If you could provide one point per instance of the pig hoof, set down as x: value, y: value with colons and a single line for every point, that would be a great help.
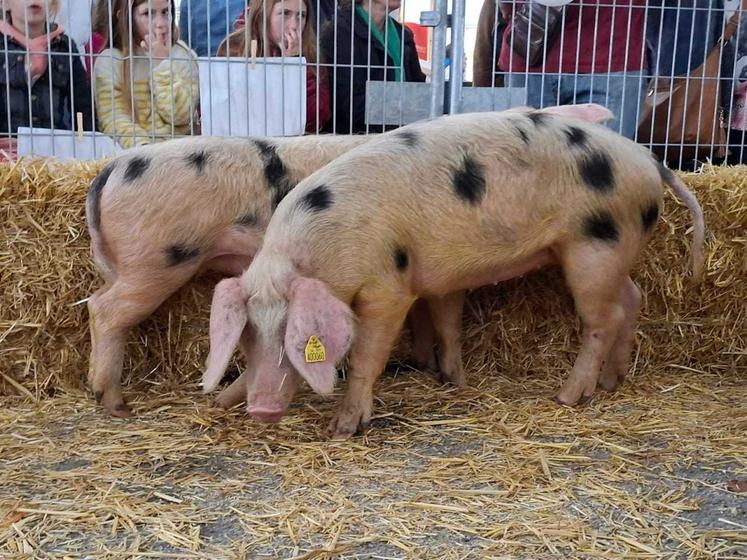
x: 121, y: 410
x: 424, y: 360
x: 345, y: 426
x: 228, y: 401
x: 611, y: 383
x: 457, y: 380
x: 580, y: 401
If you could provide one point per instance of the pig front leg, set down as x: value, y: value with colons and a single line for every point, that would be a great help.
x: 446, y: 312
x: 379, y: 325
x: 235, y: 393
x: 423, y: 337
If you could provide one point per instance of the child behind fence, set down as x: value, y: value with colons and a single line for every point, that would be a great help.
x: 146, y: 85
x: 280, y: 29
x: 43, y: 81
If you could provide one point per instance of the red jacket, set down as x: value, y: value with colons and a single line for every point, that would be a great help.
x: 605, y: 39
x: 322, y: 95
x: 94, y: 46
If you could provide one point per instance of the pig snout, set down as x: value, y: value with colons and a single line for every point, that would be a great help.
x: 266, y: 415
x: 270, y: 395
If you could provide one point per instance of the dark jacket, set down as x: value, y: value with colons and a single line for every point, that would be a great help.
x: 340, y: 75
x: 490, y: 27
x: 680, y: 34
x: 70, y: 92
x: 325, y: 9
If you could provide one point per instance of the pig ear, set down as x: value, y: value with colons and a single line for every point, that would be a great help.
x: 228, y: 316
x: 318, y: 333
x: 590, y: 112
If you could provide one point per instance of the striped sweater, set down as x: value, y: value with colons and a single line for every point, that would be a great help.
x: 166, y: 93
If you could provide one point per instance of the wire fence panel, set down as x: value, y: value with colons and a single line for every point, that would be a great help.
x: 90, y: 78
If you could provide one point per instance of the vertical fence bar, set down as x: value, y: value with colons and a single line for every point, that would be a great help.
x: 457, y: 57
x: 438, y: 50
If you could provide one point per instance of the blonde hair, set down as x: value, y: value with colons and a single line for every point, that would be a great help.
x: 121, y: 32
x: 237, y: 43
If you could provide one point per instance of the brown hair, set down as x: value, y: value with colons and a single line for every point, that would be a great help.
x: 237, y: 43
x: 100, y: 17
x: 121, y: 32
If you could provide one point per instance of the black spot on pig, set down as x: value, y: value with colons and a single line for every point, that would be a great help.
x: 198, y: 160
x: 248, y: 220
x: 596, y: 171
x: 276, y: 174
x: 178, y: 254
x: 98, y: 395
x: 401, y: 260
x: 601, y: 226
x: 317, y: 199
x: 135, y: 168
x: 409, y: 138
x: 649, y: 216
x: 469, y: 181
x: 576, y: 136
x: 522, y: 134
x: 279, y: 194
x: 538, y: 118
x: 94, y: 195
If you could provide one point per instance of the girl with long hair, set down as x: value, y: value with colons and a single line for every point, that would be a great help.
x: 281, y: 28
x: 146, y: 84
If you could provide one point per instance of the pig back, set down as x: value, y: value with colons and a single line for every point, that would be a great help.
x: 460, y: 192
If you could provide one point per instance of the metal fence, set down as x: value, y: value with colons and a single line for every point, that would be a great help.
x: 87, y: 79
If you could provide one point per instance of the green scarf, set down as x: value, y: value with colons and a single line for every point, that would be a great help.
x: 391, y: 46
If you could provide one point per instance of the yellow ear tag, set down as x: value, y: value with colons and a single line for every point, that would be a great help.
x: 315, y: 351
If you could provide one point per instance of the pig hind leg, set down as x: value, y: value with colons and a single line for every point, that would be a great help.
x: 595, y: 276
x: 618, y: 362
x: 379, y: 325
x: 113, y: 310
x: 446, y: 312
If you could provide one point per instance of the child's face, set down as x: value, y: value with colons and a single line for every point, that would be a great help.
x: 152, y: 17
x: 30, y: 12
x: 287, y: 20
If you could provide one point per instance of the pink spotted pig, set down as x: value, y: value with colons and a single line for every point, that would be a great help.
x: 429, y: 211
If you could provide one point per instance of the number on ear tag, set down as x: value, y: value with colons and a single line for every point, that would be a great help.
x: 315, y: 351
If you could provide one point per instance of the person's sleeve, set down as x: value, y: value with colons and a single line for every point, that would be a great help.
x: 317, y: 95
x: 483, y: 63
x: 339, y: 77
x: 113, y: 111
x: 81, y: 99
x: 176, y: 91
x: 414, y: 71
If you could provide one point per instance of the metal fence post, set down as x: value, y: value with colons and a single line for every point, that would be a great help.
x: 457, y: 57
x: 437, y: 19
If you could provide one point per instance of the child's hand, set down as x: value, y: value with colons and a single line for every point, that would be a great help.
x: 156, y: 46
x: 292, y: 44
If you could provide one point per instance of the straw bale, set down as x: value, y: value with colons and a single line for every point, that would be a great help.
x: 519, y: 328
x: 495, y: 470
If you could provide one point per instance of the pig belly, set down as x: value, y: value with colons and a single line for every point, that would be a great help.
x: 231, y: 253
x: 492, y: 275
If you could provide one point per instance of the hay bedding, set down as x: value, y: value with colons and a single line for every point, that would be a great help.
x: 495, y: 470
